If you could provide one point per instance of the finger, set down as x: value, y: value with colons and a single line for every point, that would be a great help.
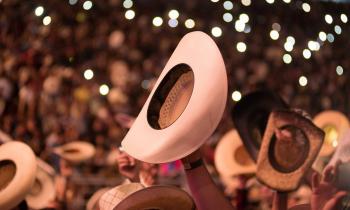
x: 315, y: 182
x: 335, y: 201
x: 327, y: 174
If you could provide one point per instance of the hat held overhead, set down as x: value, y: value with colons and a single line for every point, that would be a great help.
x: 184, y: 107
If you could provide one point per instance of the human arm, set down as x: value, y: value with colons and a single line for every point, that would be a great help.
x: 204, y: 191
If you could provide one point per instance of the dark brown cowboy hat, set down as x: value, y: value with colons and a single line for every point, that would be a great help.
x: 250, y: 117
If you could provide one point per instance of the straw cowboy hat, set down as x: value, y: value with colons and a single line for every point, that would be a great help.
x: 290, y: 145
x: 76, y: 151
x: 231, y: 157
x: 334, y: 124
x: 134, y: 196
x: 250, y: 117
x: 185, y: 105
x: 43, y: 190
x: 17, y: 173
x: 92, y: 203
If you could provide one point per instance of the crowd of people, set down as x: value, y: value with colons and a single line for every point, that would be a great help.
x: 45, y: 101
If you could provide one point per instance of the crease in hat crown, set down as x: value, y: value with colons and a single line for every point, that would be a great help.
x: 200, y: 116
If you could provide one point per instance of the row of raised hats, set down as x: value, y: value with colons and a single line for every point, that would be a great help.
x: 23, y: 176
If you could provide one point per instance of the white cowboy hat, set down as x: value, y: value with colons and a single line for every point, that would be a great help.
x: 92, y: 203
x: 334, y: 124
x: 43, y: 190
x: 76, y: 151
x: 134, y: 196
x: 17, y: 173
x: 283, y: 161
x: 231, y: 157
x: 185, y: 105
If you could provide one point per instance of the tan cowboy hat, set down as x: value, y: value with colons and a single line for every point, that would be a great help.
x: 43, y: 190
x: 290, y: 145
x: 134, y: 196
x: 231, y: 157
x: 185, y: 105
x: 76, y: 151
x: 17, y: 173
x: 334, y: 124
x: 92, y: 203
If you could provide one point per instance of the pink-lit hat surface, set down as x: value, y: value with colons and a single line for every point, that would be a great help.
x: 185, y: 105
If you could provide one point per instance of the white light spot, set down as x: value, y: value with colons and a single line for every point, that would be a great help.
x: 344, y: 18
x: 313, y: 45
x: 87, y: 5
x: 270, y: 1
x: 339, y: 70
x: 39, y: 11
x: 246, y: 2
x: 216, y: 31
x: 228, y: 5
x: 130, y: 14
x: 247, y: 28
x: 306, y: 7
x: 287, y: 58
x: 291, y: 40
x: 47, y: 20
x: 227, y: 17
x: 127, y: 4
x: 236, y: 96
x: 104, y: 89
x: 276, y: 26
x: 239, y: 25
x: 173, y: 23
x: 88, y: 74
x: 157, y: 21
x: 288, y: 46
x: 307, y: 53
x: 337, y: 29
x: 241, y: 47
x: 214, y: 1
x: 302, y: 81
x: 173, y: 14
x: 328, y: 18
x: 72, y: 2
x: 189, y: 23
x: 330, y: 38
x: 244, y: 18
x: 287, y: 1
x: 322, y: 35
x: 274, y: 34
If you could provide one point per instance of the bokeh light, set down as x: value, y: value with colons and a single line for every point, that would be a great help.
x: 328, y: 18
x: 189, y: 23
x: 227, y: 17
x: 173, y: 23
x: 216, y: 31
x: 302, y: 81
x: 228, y: 5
x: 339, y: 70
x: 88, y: 74
x: 344, y: 18
x: 241, y: 47
x: 130, y: 14
x: 39, y: 11
x: 244, y: 18
x: 246, y: 2
x: 127, y: 4
x: 47, y: 20
x: 306, y: 7
x: 157, y: 21
x: 87, y: 5
x: 239, y: 25
x: 274, y: 34
x: 173, y: 14
x: 104, y: 89
x: 337, y: 29
x: 287, y: 58
x: 322, y: 35
x: 307, y: 53
x: 330, y: 37
x: 236, y: 95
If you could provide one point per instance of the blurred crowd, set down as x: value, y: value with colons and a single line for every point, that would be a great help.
x: 45, y: 100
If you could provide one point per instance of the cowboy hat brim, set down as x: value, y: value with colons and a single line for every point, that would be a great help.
x: 199, y: 118
x: 23, y: 160
x: 231, y: 157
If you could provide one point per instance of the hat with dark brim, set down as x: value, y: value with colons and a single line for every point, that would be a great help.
x: 134, y: 196
x: 250, y: 117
